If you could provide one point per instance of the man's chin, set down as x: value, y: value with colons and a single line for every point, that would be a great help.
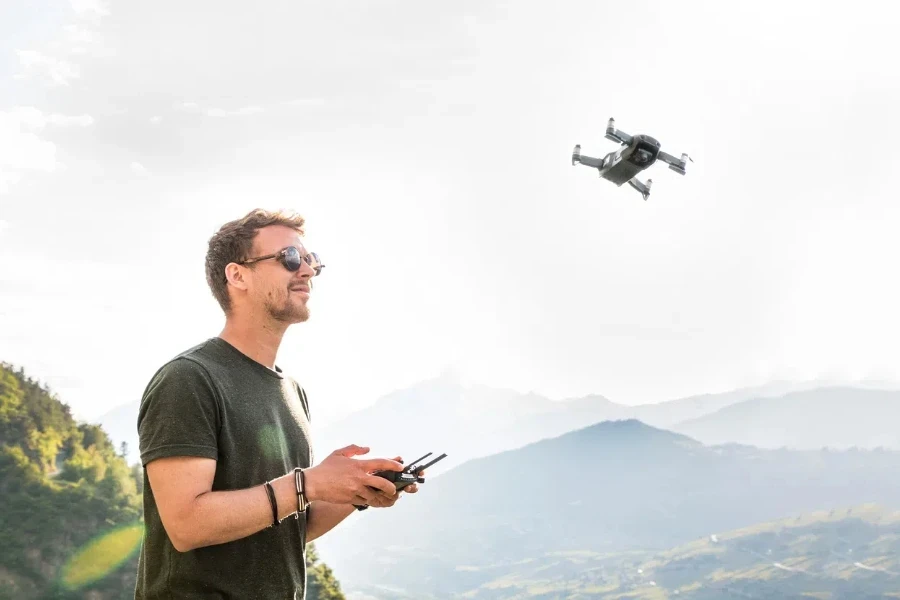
x: 293, y: 316
x: 298, y: 317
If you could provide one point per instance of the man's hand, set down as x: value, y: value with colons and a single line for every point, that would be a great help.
x: 387, y: 502
x: 342, y: 479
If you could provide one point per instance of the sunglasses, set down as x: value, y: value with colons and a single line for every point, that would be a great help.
x: 291, y: 259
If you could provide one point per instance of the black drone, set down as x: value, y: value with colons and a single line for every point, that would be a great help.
x: 638, y: 152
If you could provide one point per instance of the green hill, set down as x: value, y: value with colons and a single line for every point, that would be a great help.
x: 70, y: 505
x: 850, y: 554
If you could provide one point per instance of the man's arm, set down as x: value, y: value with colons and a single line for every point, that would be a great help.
x: 195, y: 516
x: 324, y: 516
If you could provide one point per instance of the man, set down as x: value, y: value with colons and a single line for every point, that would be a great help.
x: 222, y: 430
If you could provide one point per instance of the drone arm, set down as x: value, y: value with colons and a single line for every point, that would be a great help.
x: 643, y: 188
x: 616, y: 135
x: 676, y: 164
x: 668, y: 158
x: 589, y: 161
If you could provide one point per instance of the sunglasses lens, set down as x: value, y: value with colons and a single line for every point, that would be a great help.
x: 291, y: 259
x: 313, y: 259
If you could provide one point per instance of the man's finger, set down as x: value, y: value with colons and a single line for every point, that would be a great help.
x: 382, y: 501
x: 372, y: 497
x: 411, y: 488
x: 382, y: 485
x: 380, y: 464
x: 351, y: 450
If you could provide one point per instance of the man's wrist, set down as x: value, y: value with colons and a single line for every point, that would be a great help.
x: 311, y: 484
x: 285, y: 496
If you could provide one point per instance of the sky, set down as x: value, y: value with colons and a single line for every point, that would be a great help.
x: 429, y: 146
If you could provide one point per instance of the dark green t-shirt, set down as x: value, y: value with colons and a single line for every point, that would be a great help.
x: 214, y: 401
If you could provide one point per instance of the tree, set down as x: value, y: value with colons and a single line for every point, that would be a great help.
x: 321, y: 583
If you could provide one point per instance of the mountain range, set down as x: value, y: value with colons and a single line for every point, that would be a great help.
x: 836, y: 417
x: 839, y: 555
x: 474, y: 421
x: 442, y: 415
x: 614, y: 487
x: 528, y: 480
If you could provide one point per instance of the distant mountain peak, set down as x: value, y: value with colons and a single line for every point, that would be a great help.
x: 621, y: 433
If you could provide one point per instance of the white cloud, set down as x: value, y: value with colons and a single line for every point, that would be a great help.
x: 87, y: 7
x: 34, y: 118
x: 56, y: 70
x: 23, y: 150
x: 78, y: 40
x: 220, y: 112
x: 7, y: 180
x: 53, y: 62
x: 139, y: 169
x: 313, y: 101
x: 77, y: 34
x: 246, y: 110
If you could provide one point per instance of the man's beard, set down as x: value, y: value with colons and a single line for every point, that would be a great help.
x: 287, y: 311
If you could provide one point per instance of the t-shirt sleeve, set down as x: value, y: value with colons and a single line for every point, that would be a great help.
x: 305, y: 404
x: 179, y: 414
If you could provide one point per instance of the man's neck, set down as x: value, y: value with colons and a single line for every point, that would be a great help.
x: 258, y: 341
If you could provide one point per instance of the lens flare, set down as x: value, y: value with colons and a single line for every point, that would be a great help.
x: 101, y: 556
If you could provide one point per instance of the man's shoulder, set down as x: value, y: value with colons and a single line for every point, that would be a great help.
x: 192, y: 362
x: 205, y: 351
x: 301, y: 393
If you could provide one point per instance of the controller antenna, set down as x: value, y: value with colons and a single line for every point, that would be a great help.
x: 409, y: 468
x: 423, y: 467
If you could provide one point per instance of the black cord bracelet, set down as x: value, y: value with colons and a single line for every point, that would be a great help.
x: 271, y: 493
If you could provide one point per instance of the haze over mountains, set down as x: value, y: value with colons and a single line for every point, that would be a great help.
x: 528, y: 480
x: 613, y: 487
x: 470, y: 421
x: 834, y: 555
x: 443, y: 415
x: 838, y: 417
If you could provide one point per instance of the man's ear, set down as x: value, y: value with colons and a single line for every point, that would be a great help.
x: 234, y: 274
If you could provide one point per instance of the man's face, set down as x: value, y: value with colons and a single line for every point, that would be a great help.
x: 282, y: 294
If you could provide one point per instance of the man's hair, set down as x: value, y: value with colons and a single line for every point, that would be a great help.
x: 233, y: 243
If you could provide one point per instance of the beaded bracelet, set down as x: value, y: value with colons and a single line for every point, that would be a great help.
x: 300, y: 487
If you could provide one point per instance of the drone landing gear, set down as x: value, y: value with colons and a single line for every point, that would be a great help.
x: 643, y: 188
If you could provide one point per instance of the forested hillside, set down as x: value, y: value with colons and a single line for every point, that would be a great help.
x: 850, y: 554
x: 71, y: 509
x: 70, y: 505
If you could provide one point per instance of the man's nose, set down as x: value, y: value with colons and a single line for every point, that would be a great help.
x: 306, y: 269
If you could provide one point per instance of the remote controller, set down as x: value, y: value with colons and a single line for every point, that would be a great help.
x: 403, y: 478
